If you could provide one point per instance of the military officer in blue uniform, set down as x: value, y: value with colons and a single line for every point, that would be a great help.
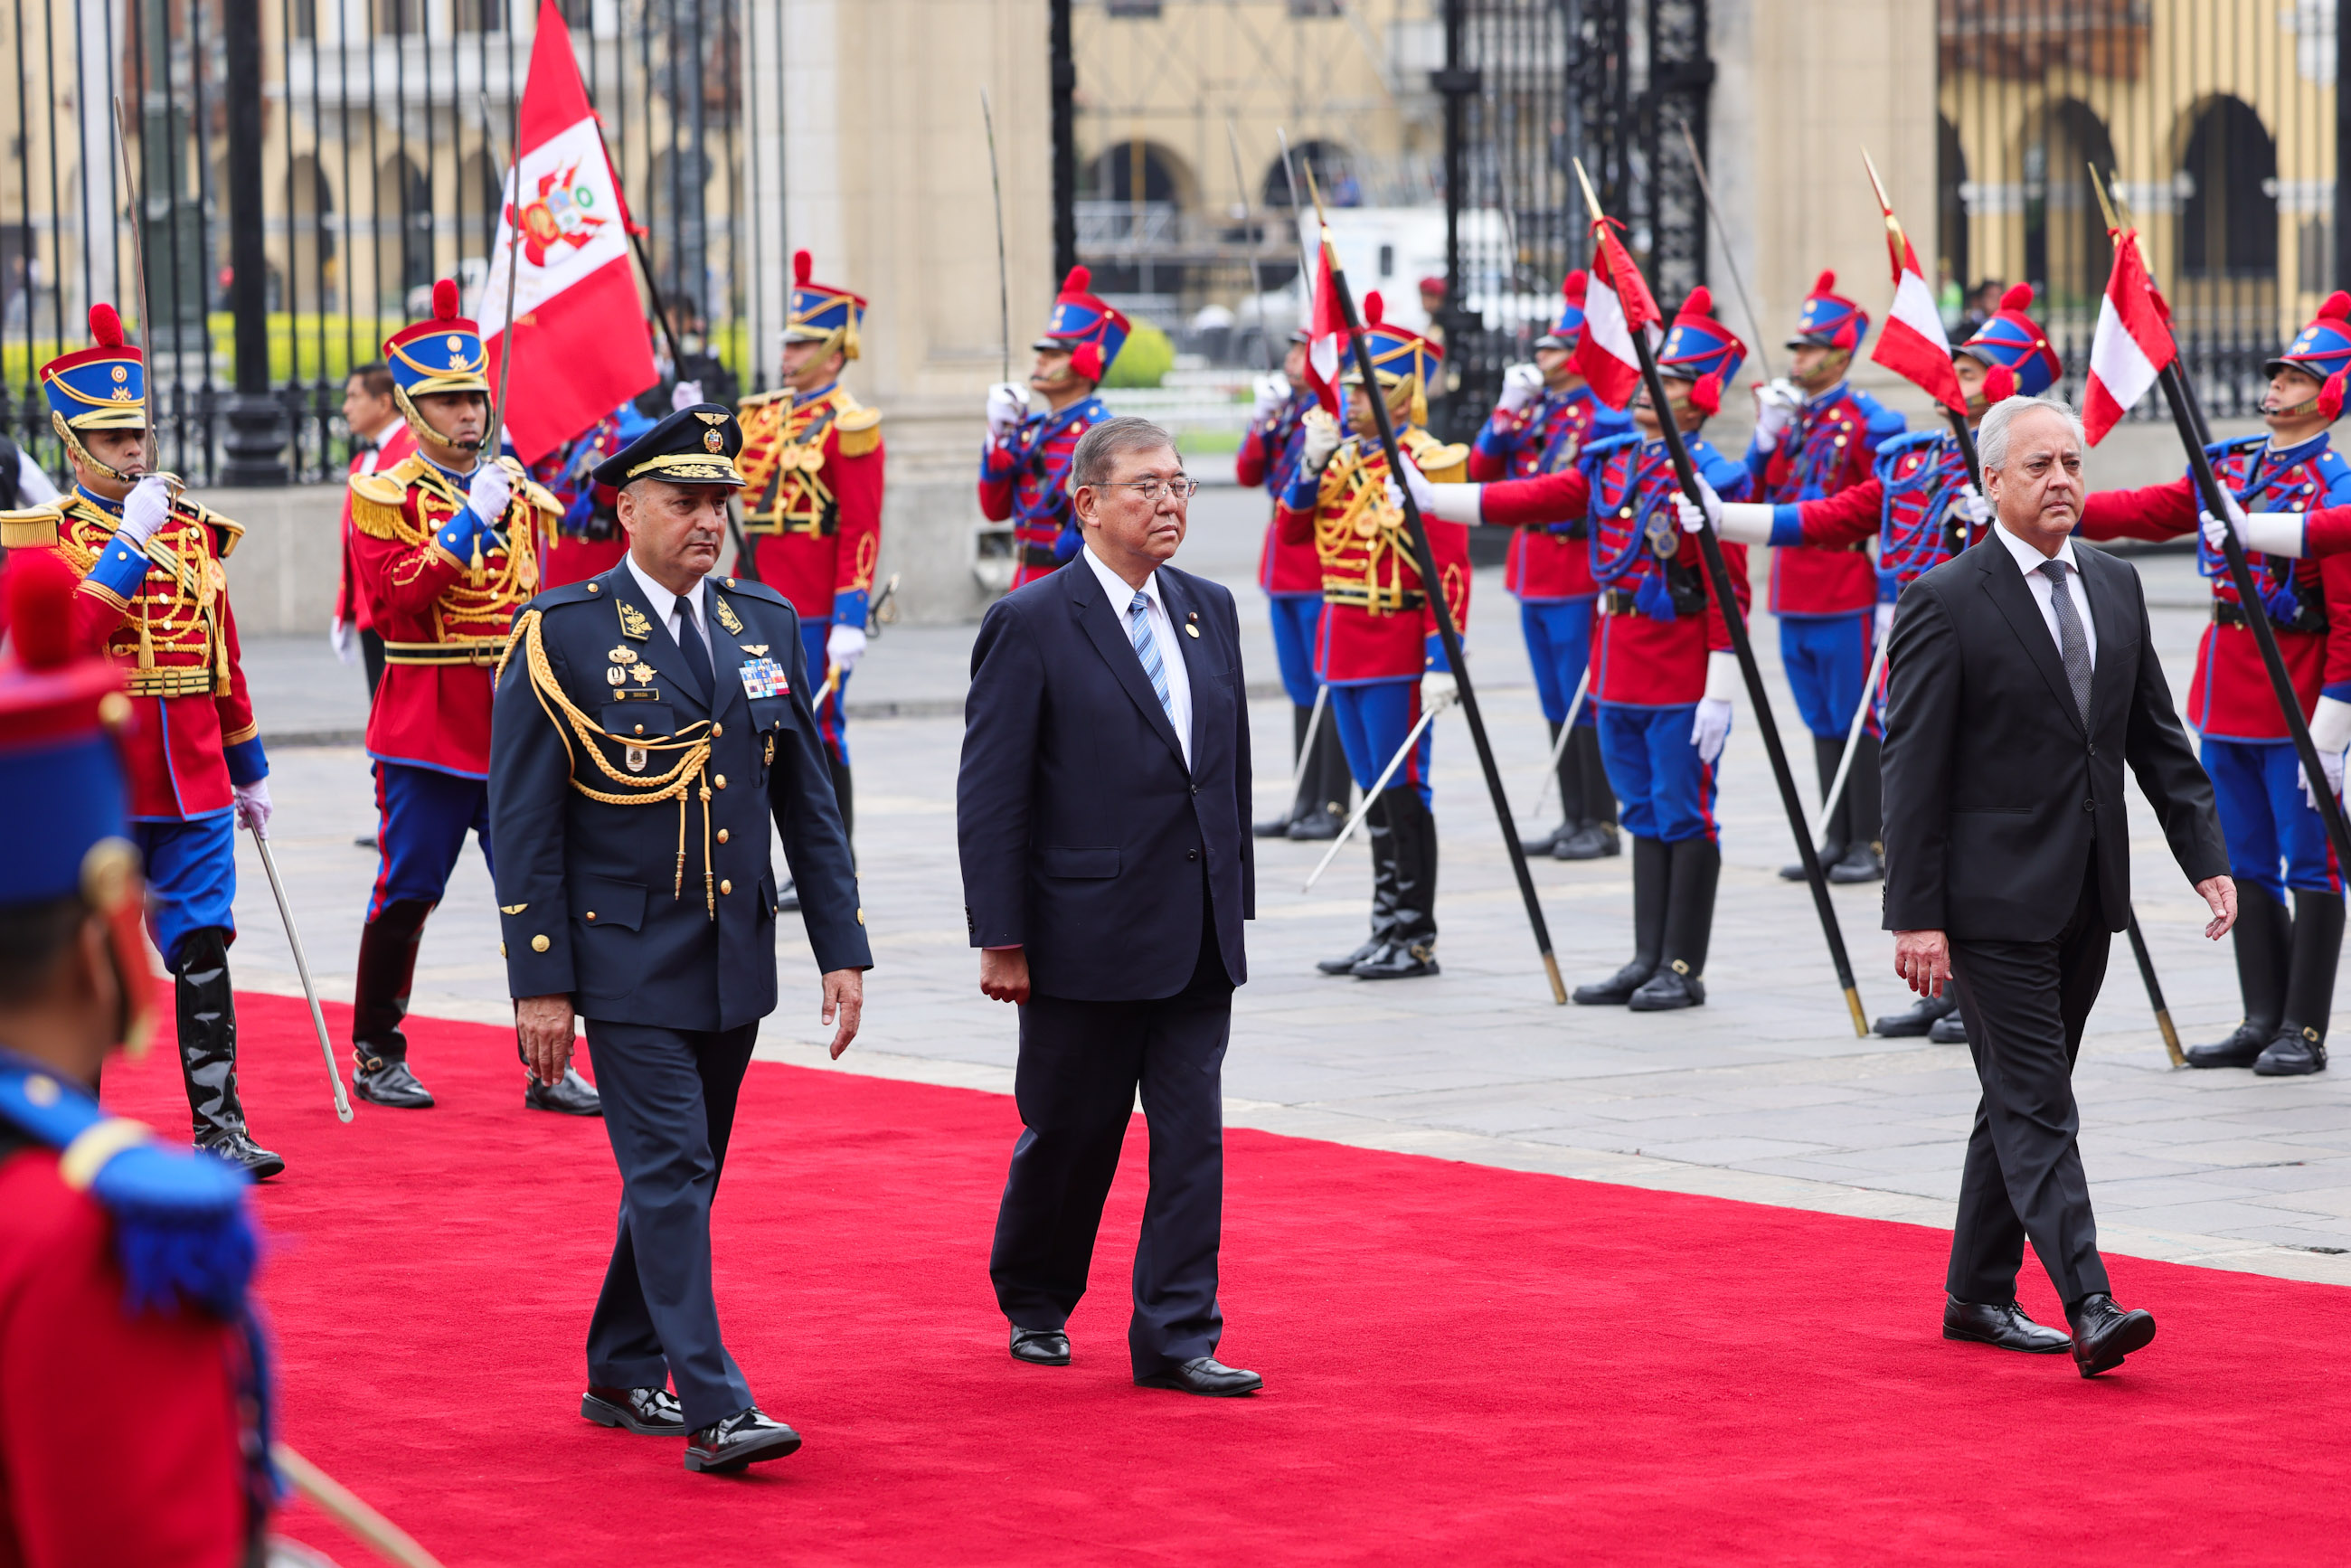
x: 648, y: 722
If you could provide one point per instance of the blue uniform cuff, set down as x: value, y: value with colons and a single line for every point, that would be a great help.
x: 2340, y: 691
x: 248, y: 763
x: 1493, y: 441
x: 1432, y: 661
x: 120, y: 570
x: 458, y: 534
x: 850, y: 609
x: 1787, y: 525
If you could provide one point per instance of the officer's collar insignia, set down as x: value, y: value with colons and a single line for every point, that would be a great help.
x: 622, y: 653
x: 756, y: 650
x: 726, y: 618
x: 634, y: 624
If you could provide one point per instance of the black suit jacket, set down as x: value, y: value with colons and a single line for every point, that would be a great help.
x: 592, y: 898
x: 1996, y: 796
x: 1084, y: 838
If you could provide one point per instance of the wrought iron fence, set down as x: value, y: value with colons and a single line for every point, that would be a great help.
x: 378, y: 175
x: 2216, y: 122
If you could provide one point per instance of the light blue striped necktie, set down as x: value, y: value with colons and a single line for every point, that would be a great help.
x: 1146, y: 648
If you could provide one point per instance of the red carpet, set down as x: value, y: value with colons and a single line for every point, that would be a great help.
x: 1460, y: 1362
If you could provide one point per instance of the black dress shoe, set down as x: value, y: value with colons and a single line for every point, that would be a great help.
x: 2104, y: 1333
x: 2242, y: 1048
x: 1399, y: 961
x: 236, y: 1146
x: 1346, y: 966
x: 746, y: 1438
x: 1830, y: 854
x: 1859, y: 864
x: 1205, y: 1374
x: 1617, y: 990
x: 570, y: 1095
x: 648, y: 1412
x: 1592, y: 841
x: 1272, y: 828
x: 2005, y: 1326
x: 368, y: 841
x: 1924, y: 1015
x: 1948, y: 1030
x: 1673, y: 986
x: 1316, y: 827
x: 2292, y: 1055
x: 386, y: 1082
x: 1040, y: 1347
x: 1548, y: 844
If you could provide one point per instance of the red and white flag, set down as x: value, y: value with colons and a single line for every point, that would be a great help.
x: 2133, y: 343
x: 1326, y: 332
x: 1616, y: 304
x: 1913, y: 344
x: 573, y: 278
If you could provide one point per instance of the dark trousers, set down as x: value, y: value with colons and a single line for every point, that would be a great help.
x: 669, y: 1104
x: 2025, y: 1004
x: 1080, y: 1065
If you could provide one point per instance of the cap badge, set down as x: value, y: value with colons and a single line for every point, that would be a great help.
x: 456, y: 344
x: 712, y: 442
x: 120, y: 375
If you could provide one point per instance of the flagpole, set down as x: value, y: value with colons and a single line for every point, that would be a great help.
x: 1433, y: 586
x: 1726, y: 599
x: 1899, y: 242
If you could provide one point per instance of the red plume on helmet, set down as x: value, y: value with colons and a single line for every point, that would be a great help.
x: 444, y: 300
x: 803, y: 267
x: 1375, y: 308
x: 1080, y: 280
x: 1999, y: 385
x: 105, y: 327
x: 2019, y: 297
x: 1575, y: 285
x: 1826, y: 282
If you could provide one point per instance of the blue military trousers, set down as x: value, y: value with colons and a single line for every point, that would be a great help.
x: 1666, y: 791
x: 2270, y: 825
x: 190, y: 869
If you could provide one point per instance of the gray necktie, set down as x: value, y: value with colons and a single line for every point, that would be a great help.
x: 2072, y: 647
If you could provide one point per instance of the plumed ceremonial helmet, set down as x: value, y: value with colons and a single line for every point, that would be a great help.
x: 1702, y: 350
x: 1828, y: 319
x: 1092, y: 331
x: 2014, y: 348
x: 821, y: 313
x: 1568, y: 330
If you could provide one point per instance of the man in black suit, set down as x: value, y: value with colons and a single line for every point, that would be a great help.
x: 1103, y: 812
x: 636, y: 893
x: 2023, y: 678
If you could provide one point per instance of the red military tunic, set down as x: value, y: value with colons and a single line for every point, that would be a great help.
x: 1830, y: 447
x: 351, y: 607
x: 1268, y: 456
x: 1377, y: 622
x: 1544, y: 567
x: 814, y: 465
x: 2230, y: 696
x: 169, y: 627
x: 1025, y: 478
x: 443, y: 621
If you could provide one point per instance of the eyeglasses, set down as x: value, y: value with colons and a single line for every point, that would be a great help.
x: 1151, y: 489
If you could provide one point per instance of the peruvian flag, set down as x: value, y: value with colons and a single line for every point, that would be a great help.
x: 2133, y: 343
x: 568, y: 228
x: 1326, y: 346
x: 1616, y: 304
x: 1913, y: 344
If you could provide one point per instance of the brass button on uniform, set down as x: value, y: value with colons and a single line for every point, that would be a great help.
x: 724, y: 885
x: 540, y: 943
x: 592, y: 915
x: 720, y: 781
x: 718, y: 730
x: 591, y: 588
x: 860, y: 917
x: 641, y: 729
x: 502, y: 949
x: 722, y: 835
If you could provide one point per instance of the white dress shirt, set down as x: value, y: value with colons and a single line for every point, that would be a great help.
x: 665, y: 611
x: 1163, y: 632
x: 2029, y: 560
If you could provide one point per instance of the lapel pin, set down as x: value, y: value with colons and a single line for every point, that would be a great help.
x: 1190, y: 630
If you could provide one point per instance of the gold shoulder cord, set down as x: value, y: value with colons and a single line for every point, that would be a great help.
x: 1367, y: 520
x: 690, y: 773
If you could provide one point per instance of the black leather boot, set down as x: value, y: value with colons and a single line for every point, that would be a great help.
x: 2264, y: 939
x: 1410, y: 951
x: 1379, y: 832
x: 206, y: 1011
x: 1278, y: 827
x: 379, y: 1004
x: 1570, y: 788
x: 1865, y: 854
x: 1836, y: 834
x: 2300, y: 1048
x: 1924, y: 1014
x: 1596, y: 836
x: 1651, y: 865
x: 1328, y: 788
x: 1679, y: 982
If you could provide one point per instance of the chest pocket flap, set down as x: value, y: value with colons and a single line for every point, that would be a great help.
x: 602, y: 900
x: 652, y: 719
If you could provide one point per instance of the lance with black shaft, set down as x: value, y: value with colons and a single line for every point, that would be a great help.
x: 1433, y: 587
x: 1726, y: 599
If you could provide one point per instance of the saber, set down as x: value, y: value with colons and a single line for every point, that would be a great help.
x: 1305, y: 253
x: 881, y: 612
x: 1306, y: 747
x: 1730, y: 256
x: 1449, y: 635
x: 496, y: 431
x: 302, y: 968
x: 383, y: 1536
x: 1377, y: 785
x: 1718, y: 573
x: 1559, y: 748
x: 1853, y: 734
x: 138, y: 190
x: 1256, y: 280
x: 1003, y: 275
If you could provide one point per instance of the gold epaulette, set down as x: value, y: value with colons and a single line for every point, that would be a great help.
x: 376, y: 500
x: 1442, y: 464
x: 225, y: 534
x: 36, y: 528
x: 760, y: 399
x: 860, y: 427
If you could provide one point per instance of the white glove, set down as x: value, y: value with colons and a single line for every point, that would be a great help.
x: 1970, y: 503
x: 341, y: 638
x: 1437, y: 686
x: 1007, y: 405
x: 1776, y: 403
x: 253, y: 805
x: 685, y: 394
x: 1712, y: 727
x: 1272, y: 391
x: 2330, y: 732
x: 487, y: 496
x: 843, y: 646
x: 1424, y: 494
x: 146, y: 509
x: 2236, y: 521
x: 1521, y: 385
x: 1321, y: 440
x: 1884, y: 618
x: 1706, y: 509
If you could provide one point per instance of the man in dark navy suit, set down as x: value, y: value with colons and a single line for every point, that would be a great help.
x: 648, y: 722
x: 1102, y: 815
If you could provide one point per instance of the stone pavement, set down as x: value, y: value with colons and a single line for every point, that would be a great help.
x: 1763, y: 1094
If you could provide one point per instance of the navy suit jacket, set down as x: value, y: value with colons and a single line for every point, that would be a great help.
x: 592, y: 897
x: 1084, y: 838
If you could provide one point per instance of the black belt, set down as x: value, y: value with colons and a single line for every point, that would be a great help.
x: 478, y: 650
x: 2308, y: 619
x: 1615, y: 601
x: 1039, y: 554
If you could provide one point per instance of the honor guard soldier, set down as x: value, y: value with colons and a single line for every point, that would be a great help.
x: 1815, y: 436
x: 1024, y: 469
x: 448, y: 546
x: 1291, y: 576
x: 123, y: 1261
x: 588, y: 539
x: 650, y: 722
x: 1546, y: 417
x: 2286, y: 967
x: 1663, y: 672
x: 813, y: 458
x: 1377, y: 648
x: 1921, y: 509
x: 153, y: 595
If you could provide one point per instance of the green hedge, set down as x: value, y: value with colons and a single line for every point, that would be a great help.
x: 1146, y: 360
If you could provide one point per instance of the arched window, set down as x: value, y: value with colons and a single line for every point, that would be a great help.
x: 1334, y: 171
x: 2229, y: 220
x: 313, y: 268
x: 2066, y: 254
x: 403, y: 204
